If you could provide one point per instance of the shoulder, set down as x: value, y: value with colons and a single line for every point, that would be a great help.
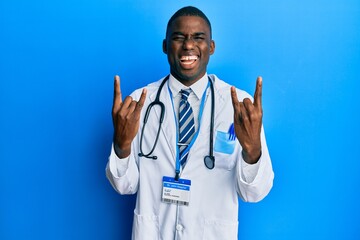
x: 222, y: 89
x: 151, y: 88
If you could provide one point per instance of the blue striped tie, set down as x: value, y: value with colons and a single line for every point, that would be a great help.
x: 186, y: 125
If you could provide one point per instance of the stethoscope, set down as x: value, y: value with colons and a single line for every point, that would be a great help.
x: 209, y: 160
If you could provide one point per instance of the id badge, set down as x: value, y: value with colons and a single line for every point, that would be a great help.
x: 176, y: 191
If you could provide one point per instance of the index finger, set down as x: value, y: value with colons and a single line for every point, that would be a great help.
x: 117, y: 91
x: 258, y: 93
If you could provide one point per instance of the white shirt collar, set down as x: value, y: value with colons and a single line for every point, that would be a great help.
x: 198, y: 87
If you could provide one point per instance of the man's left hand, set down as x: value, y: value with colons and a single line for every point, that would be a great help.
x: 248, y: 122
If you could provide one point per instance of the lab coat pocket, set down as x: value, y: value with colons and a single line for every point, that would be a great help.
x: 223, y: 143
x: 224, y: 147
x: 145, y: 227
x: 216, y: 229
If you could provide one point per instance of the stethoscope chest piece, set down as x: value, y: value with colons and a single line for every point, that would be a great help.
x: 209, y: 162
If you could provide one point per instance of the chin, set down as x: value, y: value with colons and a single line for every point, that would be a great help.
x: 187, y: 76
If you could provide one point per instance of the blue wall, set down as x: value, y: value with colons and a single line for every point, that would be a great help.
x: 57, y: 61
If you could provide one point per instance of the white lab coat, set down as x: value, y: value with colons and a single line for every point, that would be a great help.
x: 213, y: 210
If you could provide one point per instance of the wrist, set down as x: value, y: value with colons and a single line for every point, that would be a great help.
x: 251, y: 157
x: 122, y: 149
x: 121, y: 152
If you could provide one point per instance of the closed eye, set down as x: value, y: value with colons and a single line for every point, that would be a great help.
x: 178, y: 36
x: 199, y: 36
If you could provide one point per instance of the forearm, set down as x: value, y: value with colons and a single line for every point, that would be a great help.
x: 255, y: 181
x: 122, y: 173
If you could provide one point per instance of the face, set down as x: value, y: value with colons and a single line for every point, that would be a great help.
x: 188, y: 46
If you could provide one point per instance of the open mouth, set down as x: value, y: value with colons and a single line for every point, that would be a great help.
x: 188, y: 60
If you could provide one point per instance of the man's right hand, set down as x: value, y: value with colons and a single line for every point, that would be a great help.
x: 126, y: 119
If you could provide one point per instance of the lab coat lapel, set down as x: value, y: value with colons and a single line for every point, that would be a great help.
x: 219, y: 101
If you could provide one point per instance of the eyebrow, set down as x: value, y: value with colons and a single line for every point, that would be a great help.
x: 199, y: 33
x: 195, y: 34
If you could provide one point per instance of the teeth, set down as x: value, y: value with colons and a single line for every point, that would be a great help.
x: 187, y: 58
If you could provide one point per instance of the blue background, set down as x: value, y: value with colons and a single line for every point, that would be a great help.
x: 57, y: 62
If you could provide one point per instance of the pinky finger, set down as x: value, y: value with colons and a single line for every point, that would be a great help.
x: 141, y: 102
x: 235, y: 101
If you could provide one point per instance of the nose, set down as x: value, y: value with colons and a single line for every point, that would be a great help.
x: 188, y: 43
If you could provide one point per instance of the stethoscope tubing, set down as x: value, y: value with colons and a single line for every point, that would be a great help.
x: 162, y: 113
x: 209, y: 160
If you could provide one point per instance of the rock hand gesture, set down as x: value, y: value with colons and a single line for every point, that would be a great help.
x: 248, y: 122
x: 126, y: 119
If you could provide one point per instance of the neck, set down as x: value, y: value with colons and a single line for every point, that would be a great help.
x: 187, y: 81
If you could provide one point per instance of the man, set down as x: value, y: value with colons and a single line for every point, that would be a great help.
x: 187, y: 186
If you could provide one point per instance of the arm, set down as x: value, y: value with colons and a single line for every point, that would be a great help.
x: 122, y: 173
x: 254, y: 181
x: 255, y: 174
x: 121, y: 169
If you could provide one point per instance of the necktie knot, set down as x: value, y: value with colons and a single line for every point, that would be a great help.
x: 185, y: 94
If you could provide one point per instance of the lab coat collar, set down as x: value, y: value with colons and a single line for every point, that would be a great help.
x: 198, y: 87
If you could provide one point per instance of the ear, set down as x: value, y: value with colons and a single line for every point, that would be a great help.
x: 164, y: 46
x: 212, y: 47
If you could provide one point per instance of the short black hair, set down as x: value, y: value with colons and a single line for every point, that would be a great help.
x: 188, y: 11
